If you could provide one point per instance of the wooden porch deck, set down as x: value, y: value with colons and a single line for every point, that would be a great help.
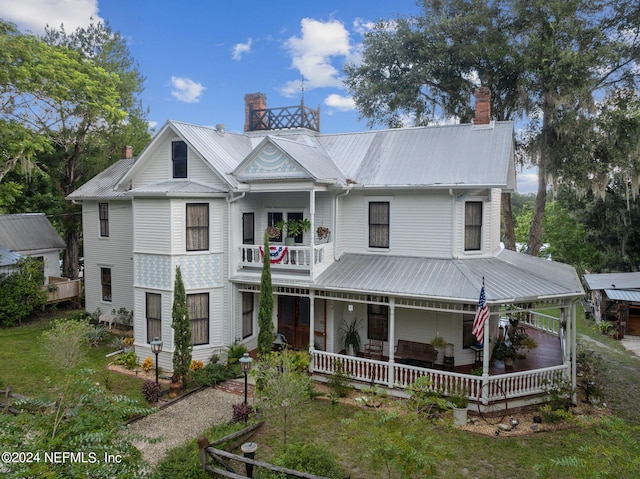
x: 547, y: 354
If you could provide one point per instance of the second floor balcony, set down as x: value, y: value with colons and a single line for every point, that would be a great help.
x: 288, y: 258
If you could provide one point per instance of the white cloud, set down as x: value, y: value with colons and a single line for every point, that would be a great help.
x: 34, y: 15
x: 186, y: 90
x: 527, y: 183
x: 362, y: 26
x: 313, y: 51
x: 240, y: 49
x: 340, y: 102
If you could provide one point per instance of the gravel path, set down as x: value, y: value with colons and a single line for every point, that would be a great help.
x: 184, y: 421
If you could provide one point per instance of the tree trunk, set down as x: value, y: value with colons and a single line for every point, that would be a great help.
x: 535, y: 232
x: 509, y: 237
x: 72, y: 252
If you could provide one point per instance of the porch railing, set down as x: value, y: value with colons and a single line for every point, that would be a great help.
x: 293, y: 257
x: 544, y: 322
x: 512, y: 385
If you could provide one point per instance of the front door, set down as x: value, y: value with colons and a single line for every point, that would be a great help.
x: 293, y: 320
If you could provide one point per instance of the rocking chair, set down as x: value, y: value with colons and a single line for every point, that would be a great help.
x: 373, y: 349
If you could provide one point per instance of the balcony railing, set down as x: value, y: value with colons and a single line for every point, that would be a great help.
x: 287, y: 257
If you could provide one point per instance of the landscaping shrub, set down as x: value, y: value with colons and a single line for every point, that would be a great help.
x: 339, y: 381
x: 21, y: 292
x: 308, y: 458
x: 151, y: 391
x: 424, y: 399
x: 97, y: 335
x: 196, y: 364
x: 128, y: 360
x: 65, y: 343
x: 147, y: 364
x: 211, y: 375
x: 241, y: 412
x: 235, y: 351
x: 554, y: 416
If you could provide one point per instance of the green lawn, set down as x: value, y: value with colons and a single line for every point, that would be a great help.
x: 27, y: 370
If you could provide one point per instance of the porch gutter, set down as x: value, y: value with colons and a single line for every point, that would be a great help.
x: 230, y: 199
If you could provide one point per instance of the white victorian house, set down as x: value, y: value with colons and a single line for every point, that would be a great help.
x: 404, y: 228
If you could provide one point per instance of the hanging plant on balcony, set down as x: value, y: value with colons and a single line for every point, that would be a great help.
x: 273, y: 232
x: 323, y: 232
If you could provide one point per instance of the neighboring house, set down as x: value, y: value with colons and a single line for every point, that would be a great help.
x: 33, y: 235
x: 405, y: 226
x: 616, y: 297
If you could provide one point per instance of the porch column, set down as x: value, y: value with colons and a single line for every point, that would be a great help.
x: 392, y: 341
x: 312, y: 326
x: 573, y: 340
x: 312, y: 220
x: 486, y: 346
x: 312, y: 312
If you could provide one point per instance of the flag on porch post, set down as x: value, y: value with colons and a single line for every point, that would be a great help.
x: 481, y: 316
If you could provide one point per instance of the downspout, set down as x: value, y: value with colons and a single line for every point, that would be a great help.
x: 335, y: 222
x: 230, y: 322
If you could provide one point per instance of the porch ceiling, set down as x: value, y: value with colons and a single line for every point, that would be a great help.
x: 509, y: 276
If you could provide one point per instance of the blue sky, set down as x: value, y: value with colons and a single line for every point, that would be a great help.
x: 201, y: 57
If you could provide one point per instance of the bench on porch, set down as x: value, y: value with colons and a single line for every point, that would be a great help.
x: 418, y: 354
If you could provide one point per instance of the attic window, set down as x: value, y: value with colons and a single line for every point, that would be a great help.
x: 179, y: 159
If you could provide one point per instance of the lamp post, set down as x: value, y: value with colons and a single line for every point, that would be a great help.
x: 156, y: 347
x: 245, y: 365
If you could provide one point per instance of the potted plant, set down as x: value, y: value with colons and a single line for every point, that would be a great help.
x: 293, y: 228
x: 273, y: 232
x: 351, y: 336
x: 509, y: 350
x: 127, y: 344
x: 459, y: 401
x: 323, y: 232
x: 175, y: 385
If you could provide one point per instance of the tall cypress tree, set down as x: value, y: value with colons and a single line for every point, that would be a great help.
x: 181, y: 325
x: 265, y: 314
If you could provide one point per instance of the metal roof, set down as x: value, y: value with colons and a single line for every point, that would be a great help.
x: 630, y: 295
x: 165, y: 188
x: 507, y: 276
x: 29, y: 232
x: 7, y: 257
x: 102, y: 185
x: 223, y: 151
x: 613, y: 280
x: 445, y: 156
x: 449, y: 156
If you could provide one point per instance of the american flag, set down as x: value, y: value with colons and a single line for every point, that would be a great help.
x: 481, y: 316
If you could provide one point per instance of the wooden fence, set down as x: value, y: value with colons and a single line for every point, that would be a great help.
x: 6, y: 397
x: 220, y: 465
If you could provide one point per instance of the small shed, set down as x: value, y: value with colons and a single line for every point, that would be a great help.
x: 32, y: 234
x: 616, y: 297
x: 8, y: 259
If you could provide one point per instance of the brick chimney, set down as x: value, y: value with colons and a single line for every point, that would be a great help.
x: 253, y: 101
x: 127, y: 152
x: 483, y: 106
